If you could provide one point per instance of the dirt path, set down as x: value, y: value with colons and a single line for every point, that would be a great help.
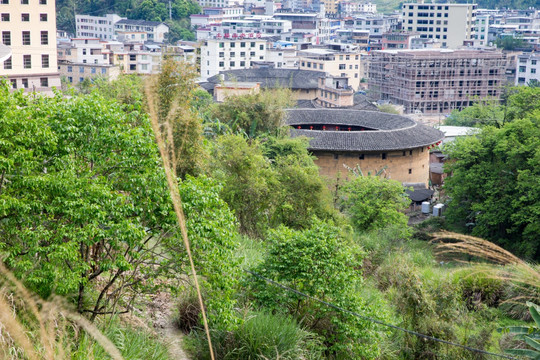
x: 160, y: 311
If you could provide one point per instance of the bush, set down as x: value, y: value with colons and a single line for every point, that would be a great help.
x: 261, y: 336
x: 478, y: 288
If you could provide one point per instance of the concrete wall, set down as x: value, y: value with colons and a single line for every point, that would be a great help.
x: 398, y: 165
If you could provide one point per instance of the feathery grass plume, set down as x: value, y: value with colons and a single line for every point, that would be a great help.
x: 162, y: 109
x: 523, y: 277
x: 20, y: 324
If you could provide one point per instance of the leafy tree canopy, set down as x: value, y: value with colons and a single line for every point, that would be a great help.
x: 494, y: 187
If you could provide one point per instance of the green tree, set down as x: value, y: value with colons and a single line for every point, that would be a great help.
x: 373, y: 203
x: 494, y: 187
x: 483, y: 112
x: 172, y: 93
x: 509, y: 42
x: 249, y: 182
x: 301, y: 193
x: 150, y: 10
x: 82, y: 196
x: 321, y: 263
x: 255, y: 114
x: 388, y: 108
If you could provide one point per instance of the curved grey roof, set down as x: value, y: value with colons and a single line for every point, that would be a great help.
x: 272, y: 78
x: 392, y: 132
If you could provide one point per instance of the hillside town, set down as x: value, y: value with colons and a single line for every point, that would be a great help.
x: 269, y: 179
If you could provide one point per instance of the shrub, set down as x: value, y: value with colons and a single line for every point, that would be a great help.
x: 260, y: 336
x: 478, y: 288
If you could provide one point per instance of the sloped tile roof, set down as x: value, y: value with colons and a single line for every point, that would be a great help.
x: 391, y: 132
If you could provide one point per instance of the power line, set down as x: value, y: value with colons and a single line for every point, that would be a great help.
x: 417, y: 334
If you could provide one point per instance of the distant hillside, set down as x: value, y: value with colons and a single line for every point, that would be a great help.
x: 152, y: 10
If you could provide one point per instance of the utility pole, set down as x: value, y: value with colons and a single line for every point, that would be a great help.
x: 170, y: 10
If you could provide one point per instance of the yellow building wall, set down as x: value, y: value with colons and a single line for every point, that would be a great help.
x: 398, y: 165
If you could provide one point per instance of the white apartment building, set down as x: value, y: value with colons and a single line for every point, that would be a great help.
x: 481, y: 30
x: 100, y: 27
x: 221, y: 54
x: 452, y: 24
x: 221, y: 3
x: 28, y: 28
x: 528, y: 68
x: 375, y: 24
x: 155, y: 30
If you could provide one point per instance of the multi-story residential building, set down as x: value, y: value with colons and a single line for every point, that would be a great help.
x: 221, y: 3
x: 436, y: 81
x: 28, y: 28
x: 375, y: 24
x: 403, y: 40
x: 221, y: 54
x: 481, y: 30
x: 344, y: 63
x: 100, y: 27
x: 358, y: 38
x: 76, y: 73
x: 215, y: 15
x: 155, y: 30
x: 528, y: 68
x: 452, y: 24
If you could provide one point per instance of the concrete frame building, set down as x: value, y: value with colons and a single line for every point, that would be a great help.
x: 220, y: 54
x: 452, y: 24
x: 28, y: 28
x: 436, y: 81
x: 155, y: 30
x: 99, y: 27
x: 528, y: 68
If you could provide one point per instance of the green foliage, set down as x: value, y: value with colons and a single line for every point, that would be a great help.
x: 509, y: 43
x: 301, y: 193
x: 529, y: 334
x: 483, y: 112
x: 212, y: 232
x: 522, y: 102
x: 321, y: 263
x: 494, y: 185
x: 254, y: 114
x: 260, y: 336
x: 387, y: 108
x: 374, y: 203
x: 172, y: 92
x: 248, y: 180
x: 81, y: 194
x: 477, y: 288
x: 133, y: 344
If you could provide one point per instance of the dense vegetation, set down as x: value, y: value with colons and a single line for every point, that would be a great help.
x: 151, y: 10
x: 86, y: 217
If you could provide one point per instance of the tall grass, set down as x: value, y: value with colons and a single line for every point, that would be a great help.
x: 32, y: 328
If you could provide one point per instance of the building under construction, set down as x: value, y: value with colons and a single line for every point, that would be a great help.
x: 436, y: 80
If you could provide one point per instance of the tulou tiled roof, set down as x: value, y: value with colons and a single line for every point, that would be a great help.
x: 272, y: 78
x: 390, y: 132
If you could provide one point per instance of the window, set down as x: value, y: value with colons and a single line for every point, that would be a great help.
x: 233, y: 54
x: 410, y: 171
x: 133, y: 67
x: 70, y: 68
x: 243, y: 54
x: 24, y: 2
x: 533, y: 62
x: 320, y: 66
x: 44, y: 82
x: 261, y: 47
x: 404, y: 153
x: 25, y: 17
x: 42, y: 2
x: 27, y: 61
x: 42, y: 17
x: 81, y: 79
x: 25, y: 83
x: 44, y: 38
x: 252, y: 44
x: 45, y: 61
x: 242, y: 63
x: 14, y: 83
x: 81, y: 69
x: 232, y: 63
x: 26, y: 37
x: 6, y: 37
x: 4, y: 2
x: 233, y: 45
x: 252, y: 53
x: 336, y: 156
x: 8, y: 64
x: 70, y: 79
x: 361, y: 157
x: 533, y: 71
x: 103, y: 71
x: 242, y: 44
x: 410, y: 152
x: 221, y: 45
x: 4, y: 17
x: 383, y: 156
x: 93, y: 70
x: 132, y: 57
x: 342, y: 66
